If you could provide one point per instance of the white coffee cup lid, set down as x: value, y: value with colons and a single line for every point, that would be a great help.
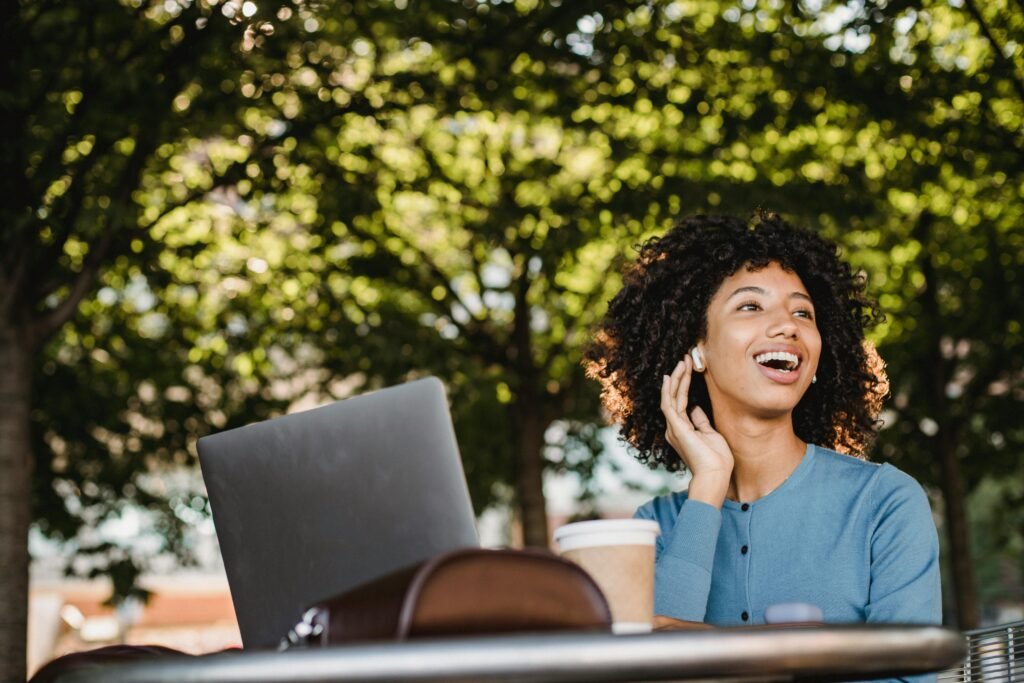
x: 600, y: 532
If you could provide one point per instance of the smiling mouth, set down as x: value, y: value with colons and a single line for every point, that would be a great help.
x: 778, y: 360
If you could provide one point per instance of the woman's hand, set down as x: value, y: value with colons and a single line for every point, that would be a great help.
x: 663, y: 623
x: 703, y: 450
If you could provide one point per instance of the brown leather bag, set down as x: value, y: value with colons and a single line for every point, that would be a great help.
x: 463, y: 592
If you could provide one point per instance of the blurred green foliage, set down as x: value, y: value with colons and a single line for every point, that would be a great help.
x: 283, y: 198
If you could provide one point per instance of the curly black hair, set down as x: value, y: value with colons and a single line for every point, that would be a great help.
x: 660, y: 313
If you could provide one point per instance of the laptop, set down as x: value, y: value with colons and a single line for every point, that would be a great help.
x: 309, y: 505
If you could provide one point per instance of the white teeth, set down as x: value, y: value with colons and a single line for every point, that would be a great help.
x: 790, y: 358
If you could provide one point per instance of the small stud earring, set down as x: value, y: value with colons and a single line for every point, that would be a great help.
x: 698, y: 360
x: 814, y: 378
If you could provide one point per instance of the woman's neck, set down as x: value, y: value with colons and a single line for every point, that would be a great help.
x: 765, y: 453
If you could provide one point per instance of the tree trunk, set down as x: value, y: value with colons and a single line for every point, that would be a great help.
x: 528, y: 419
x: 936, y: 371
x: 15, y: 491
x: 529, y: 429
x: 957, y: 531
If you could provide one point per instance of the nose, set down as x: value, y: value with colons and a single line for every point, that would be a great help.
x: 782, y: 325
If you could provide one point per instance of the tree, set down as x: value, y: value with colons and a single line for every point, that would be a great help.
x: 944, y: 140
x: 501, y: 207
x: 101, y: 96
x: 674, y: 119
x: 120, y: 188
x: 284, y: 193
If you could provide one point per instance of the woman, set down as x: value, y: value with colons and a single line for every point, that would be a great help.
x: 737, y: 351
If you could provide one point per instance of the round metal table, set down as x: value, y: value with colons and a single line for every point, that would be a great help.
x: 768, y: 653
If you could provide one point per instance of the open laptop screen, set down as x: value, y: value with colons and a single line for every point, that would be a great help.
x: 311, y: 504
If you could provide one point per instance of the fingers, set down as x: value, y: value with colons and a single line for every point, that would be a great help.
x: 666, y: 395
x: 700, y: 421
x: 683, y: 388
x: 674, y: 399
x: 675, y: 421
x: 675, y: 377
x: 679, y: 385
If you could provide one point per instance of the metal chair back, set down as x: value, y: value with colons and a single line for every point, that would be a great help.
x: 994, y: 655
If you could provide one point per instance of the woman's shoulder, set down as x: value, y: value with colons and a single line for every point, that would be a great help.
x: 833, y: 462
x: 834, y: 471
x: 883, y: 480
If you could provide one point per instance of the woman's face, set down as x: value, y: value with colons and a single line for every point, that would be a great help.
x: 762, y: 344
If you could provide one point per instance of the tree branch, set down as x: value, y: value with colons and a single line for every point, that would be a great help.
x: 437, y: 171
x: 73, y: 199
x: 81, y: 282
x: 574, y: 325
x: 472, y: 333
x: 936, y: 370
x: 225, y: 179
x: 996, y: 311
x: 1000, y: 56
x: 11, y: 287
x: 48, y: 324
x: 176, y: 63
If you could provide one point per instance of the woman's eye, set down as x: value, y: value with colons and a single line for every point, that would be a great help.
x: 749, y: 306
x: 804, y: 313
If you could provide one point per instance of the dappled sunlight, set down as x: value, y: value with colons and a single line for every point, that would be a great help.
x: 222, y: 210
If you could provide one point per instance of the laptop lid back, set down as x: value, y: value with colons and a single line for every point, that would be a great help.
x: 311, y: 504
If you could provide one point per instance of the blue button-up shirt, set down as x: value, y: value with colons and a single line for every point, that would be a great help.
x: 855, y: 538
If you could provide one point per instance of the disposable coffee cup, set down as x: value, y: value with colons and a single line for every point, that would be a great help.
x: 619, y: 555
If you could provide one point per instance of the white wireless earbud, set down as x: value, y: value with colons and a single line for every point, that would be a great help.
x: 698, y: 360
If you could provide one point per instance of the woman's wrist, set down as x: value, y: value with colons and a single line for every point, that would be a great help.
x: 709, y: 488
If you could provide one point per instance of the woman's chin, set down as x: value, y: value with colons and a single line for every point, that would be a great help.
x: 773, y: 408
x: 773, y: 402
x: 773, y: 413
x: 764, y: 411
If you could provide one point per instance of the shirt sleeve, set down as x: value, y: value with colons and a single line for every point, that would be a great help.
x: 905, y: 585
x: 685, y: 556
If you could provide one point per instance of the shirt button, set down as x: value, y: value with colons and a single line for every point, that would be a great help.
x: 744, y: 550
x: 745, y: 617
x: 745, y: 507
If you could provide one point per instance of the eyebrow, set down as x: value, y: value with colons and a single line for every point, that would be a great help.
x: 759, y: 290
